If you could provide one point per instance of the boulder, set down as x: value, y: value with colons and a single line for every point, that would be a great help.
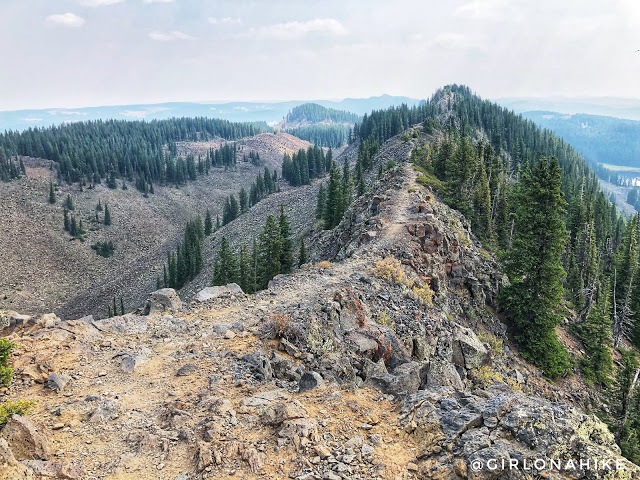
x: 55, y: 469
x: 277, y: 413
x: 309, y: 381
x: 162, y: 300
x: 128, y: 324
x: 211, y: 293
x: 58, y: 381
x: 49, y: 320
x: 105, y: 411
x: 259, y: 365
x: 26, y: 440
x: 468, y: 350
x: 405, y: 379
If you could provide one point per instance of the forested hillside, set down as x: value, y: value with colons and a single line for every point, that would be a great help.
x: 531, y: 198
x: 88, y: 152
x: 599, y: 139
x: 326, y: 127
x: 314, y: 113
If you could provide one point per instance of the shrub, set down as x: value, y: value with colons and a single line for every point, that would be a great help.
x: 104, y: 249
x: 383, y: 319
x: 430, y: 181
x: 494, y: 342
x: 424, y: 294
x: 323, y: 264
x: 390, y: 270
x: 9, y: 408
x: 485, y: 376
x: 6, y: 372
x: 281, y: 326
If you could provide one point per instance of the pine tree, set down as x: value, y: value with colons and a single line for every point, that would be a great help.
x: 535, y: 269
x: 332, y: 210
x: 245, y: 270
x: 217, y: 222
x: 481, y: 220
x: 115, y: 310
x: 286, y: 251
x: 322, y: 200
x: 225, y: 265
x: 622, y: 390
x: 107, y: 215
x: 121, y: 306
x: 596, y: 335
x: 302, y: 255
x: 625, y: 282
x: 67, y: 226
x: 99, y: 206
x: 52, y: 194
x: 208, y: 224
x: 269, y: 250
x: 68, y: 203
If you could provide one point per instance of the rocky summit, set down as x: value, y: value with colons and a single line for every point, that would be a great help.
x: 383, y: 359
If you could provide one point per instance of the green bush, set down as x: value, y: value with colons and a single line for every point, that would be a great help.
x: 6, y: 372
x: 9, y: 408
x: 430, y: 181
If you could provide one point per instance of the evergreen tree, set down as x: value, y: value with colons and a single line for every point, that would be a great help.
x: 121, y: 306
x: 333, y: 207
x: 286, y: 251
x: 597, y: 364
x: 625, y: 283
x: 52, y: 194
x: 621, y: 394
x: 208, y: 224
x: 217, y: 222
x: 67, y: 225
x: 269, y: 251
x: 535, y: 269
x: 245, y: 270
x: 107, y: 215
x: 225, y: 265
x: 68, y: 203
x: 322, y: 200
x: 115, y: 310
x: 302, y: 255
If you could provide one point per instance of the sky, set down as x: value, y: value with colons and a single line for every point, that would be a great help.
x: 76, y: 53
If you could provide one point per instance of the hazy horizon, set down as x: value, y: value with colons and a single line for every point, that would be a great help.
x: 74, y: 53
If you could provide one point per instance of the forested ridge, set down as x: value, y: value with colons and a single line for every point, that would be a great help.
x: 531, y: 198
x: 88, y: 152
x: 325, y: 127
x: 314, y: 113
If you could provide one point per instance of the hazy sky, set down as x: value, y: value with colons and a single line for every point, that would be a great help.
x: 73, y: 53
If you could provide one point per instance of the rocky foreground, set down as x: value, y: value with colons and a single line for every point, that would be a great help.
x: 387, y: 364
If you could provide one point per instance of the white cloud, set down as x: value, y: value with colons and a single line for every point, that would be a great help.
x: 453, y: 41
x: 65, y: 20
x: 484, y: 9
x: 169, y: 36
x: 32, y: 119
x: 99, y: 3
x: 224, y: 21
x: 242, y: 109
x: 291, y: 30
x: 157, y: 1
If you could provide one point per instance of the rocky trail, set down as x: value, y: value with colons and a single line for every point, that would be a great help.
x: 382, y: 361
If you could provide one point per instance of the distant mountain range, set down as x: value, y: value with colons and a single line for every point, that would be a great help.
x: 233, y: 111
x: 628, y: 108
x: 600, y: 139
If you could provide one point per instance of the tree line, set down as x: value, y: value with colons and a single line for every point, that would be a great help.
x: 306, y: 165
x: 88, y: 152
x: 270, y: 255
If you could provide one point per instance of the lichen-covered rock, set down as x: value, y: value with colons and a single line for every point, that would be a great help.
x: 211, y: 293
x: 26, y: 440
x: 482, y: 431
x: 162, y: 300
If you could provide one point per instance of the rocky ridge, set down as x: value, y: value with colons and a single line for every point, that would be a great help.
x: 386, y: 362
